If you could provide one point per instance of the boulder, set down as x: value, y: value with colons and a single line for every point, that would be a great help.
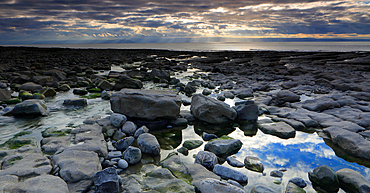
x: 293, y: 188
x: 5, y: 94
x: 49, y: 92
x: 192, y: 144
x: 247, y: 111
x: 117, y: 119
x: 127, y: 82
x: 76, y: 165
x: 75, y: 102
x: 30, y: 86
x: 224, y: 147
x: 324, y: 179
x: 30, y: 108
x: 107, y: 180
x: 80, y: 91
x: 51, y: 145
x: 56, y: 75
x: 217, y: 186
x: 206, y: 92
x: 141, y: 130
x: 351, y: 142
x: 287, y: 96
x: 206, y: 159
x: 208, y: 137
x: 105, y: 85
x: 8, y: 182
x: 352, y: 181
x: 243, y: 93
x: 210, y: 110
x: 129, y: 128
x: 231, y: 160
x: 41, y: 80
x: 41, y: 184
x: 146, y: 104
x: 228, y: 173
x: 320, y: 104
x: 198, y: 173
x: 132, y: 155
x: 276, y: 173
x: 124, y: 143
x: 299, y: 182
x: 148, y: 144
x: 253, y: 163
x: 279, y: 129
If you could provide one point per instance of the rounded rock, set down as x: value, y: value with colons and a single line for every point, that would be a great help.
x: 117, y: 119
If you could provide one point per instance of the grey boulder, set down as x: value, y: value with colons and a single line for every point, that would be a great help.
x: 247, y: 111
x: 211, y: 110
x: 117, y: 119
x: 279, y: 129
x: 253, y: 163
x: 106, y: 180
x: 146, y: 104
x: 148, y: 144
x: 353, y: 181
x: 132, y: 155
x: 75, y: 102
x: 228, y: 173
x: 324, y: 179
x: 30, y: 108
x: 223, y: 147
x: 217, y: 186
x: 124, y: 143
x: 206, y: 159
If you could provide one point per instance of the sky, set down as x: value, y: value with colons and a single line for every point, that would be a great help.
x: 166, y: 21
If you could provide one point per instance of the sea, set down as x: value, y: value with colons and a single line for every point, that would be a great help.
x: 342, y: 46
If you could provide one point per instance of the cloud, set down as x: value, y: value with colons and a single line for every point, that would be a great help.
x: 170, y: 18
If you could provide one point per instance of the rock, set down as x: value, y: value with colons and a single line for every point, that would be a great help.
x: 352, y: 115
x: 146, y: 104
x: 105, y: 95
x: 228, y: 95
x: 64, y: 87
x: 210, y: 110
x: 217, y: 186
x: 279, y: 129
x: 206, y: 92
x: 287, y: 96
x: 221, y: 97
x: 30, y: 108
x: 234, y: 162
x: 293, y: 188
x: 76, y: 165
x: 162, y: 180
x: 25, y: 165
x: 253, y: 163
x: 30, y: 86
x: 148, y: 144
x: 198, y: 173
x: 190, y: 89
x: 243, y: 93
x: 41, y: 184
x: 276, y: 173
x: 105, y: 85
x: 352, y: 143
x: 208, y: 137
x: 206, y: 159
x: 261, y: 189
x: 75, y: 102
x: 183, y: 150
x: 299, y: 182
x: 179, y: 122
x: 247, y: 111
x: 79, y: 91
x: 49, y: 92
x: 228, y: 173
x: 129, y: 128
x: 176, y: 166
x: 235, y: 183
x: 324, y: 179
x: 141, y: 130
x: 127, y: 82
x: 5, y: 95
x: 118, y: 135
x: 124, y: 143
x: 132, y: 155
x: 8, y: 182
x: 117, y: 119
x: 223, y: 147
x: 352, y: 181
x: 51, y: 145
x: 320, y: 104
x: 192, y: 144
x: 107, y: 180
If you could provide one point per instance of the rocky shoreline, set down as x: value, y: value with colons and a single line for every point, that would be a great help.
x: 323, y: 92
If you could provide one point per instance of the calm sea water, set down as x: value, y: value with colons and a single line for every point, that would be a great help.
x: 243, y: 46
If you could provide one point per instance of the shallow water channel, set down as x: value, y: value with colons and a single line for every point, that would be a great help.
x: 297, y: 155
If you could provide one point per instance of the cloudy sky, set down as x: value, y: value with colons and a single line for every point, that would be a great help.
x: 32, y: 21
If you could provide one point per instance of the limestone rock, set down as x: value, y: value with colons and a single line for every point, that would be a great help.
x: 210, y: 110
x: 42, y: 184
x: 146, y: 104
